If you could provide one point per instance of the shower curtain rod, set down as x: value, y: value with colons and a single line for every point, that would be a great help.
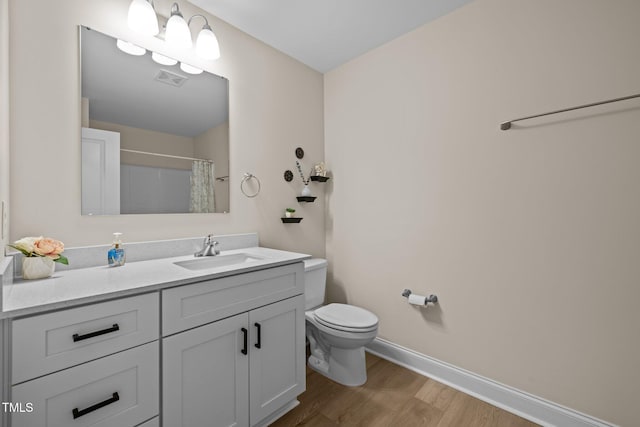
x: 165, y: 155
x: 507, y: 125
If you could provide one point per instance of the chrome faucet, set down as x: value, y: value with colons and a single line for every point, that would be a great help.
x: 209, y: 247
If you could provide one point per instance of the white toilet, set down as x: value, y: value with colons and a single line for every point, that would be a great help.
x: 337, y: 333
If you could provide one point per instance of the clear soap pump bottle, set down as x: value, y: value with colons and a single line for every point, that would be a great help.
x: 116, y: 254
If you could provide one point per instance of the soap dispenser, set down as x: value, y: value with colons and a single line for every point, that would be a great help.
x: 116, y: 254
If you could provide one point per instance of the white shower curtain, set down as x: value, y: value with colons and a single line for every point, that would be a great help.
x: 202, y: 180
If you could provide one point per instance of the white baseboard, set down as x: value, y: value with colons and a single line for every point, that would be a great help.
x: 523, y: 404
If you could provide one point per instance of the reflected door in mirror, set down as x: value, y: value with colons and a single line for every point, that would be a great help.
x: 100, y: 172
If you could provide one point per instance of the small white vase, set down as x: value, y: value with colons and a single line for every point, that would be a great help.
x: 306, y: 192
x: 37, y: 267
x: 288, y: 214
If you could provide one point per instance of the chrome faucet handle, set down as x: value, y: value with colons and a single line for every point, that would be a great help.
x: 208, y: 247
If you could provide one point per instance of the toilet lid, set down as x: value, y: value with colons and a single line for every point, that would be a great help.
x: 341, y: 316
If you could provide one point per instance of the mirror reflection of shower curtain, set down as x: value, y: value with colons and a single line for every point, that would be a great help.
x: 202, y: 180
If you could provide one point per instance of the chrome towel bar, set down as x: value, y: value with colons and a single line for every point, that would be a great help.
x: 507, y: 125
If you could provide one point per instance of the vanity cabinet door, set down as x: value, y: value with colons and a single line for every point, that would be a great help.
x: 277, y: 362
x: 206, y: 375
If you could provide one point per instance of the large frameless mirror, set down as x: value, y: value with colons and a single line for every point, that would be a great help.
x: 155, y: 136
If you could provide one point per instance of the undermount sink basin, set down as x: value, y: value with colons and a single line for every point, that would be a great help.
x: 216, y: 261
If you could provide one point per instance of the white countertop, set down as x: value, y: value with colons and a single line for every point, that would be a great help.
x: 86, y: 285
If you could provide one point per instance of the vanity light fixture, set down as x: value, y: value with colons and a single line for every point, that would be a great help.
x: 130, y: 48
x: 142, y: 17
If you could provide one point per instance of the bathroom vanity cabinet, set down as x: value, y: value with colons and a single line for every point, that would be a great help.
x: 236, y: 371
x: 243, y: 360
x: 219, y: 352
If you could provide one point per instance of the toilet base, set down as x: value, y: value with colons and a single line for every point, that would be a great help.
x: 346, y: 366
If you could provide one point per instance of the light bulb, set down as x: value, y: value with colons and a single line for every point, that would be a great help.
x: 164, y: 60
x: 189, y: 68
x: 130, y: 48
x: 207, y: 46
x: 177, y: 32
x: 142, y: 18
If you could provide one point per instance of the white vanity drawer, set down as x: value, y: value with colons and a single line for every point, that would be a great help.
x: 189, y: 306
x: 51, y: 342
x: 121, y: 390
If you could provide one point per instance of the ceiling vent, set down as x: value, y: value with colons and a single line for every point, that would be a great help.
x: 170, y: 78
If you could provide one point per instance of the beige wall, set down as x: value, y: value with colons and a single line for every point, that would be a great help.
x: 214, y: 145
x: 152, y: 142
x: 44, y: 80
x: 4, y: 118
x: 530, y: 237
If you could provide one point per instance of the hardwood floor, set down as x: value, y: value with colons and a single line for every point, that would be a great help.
x: 393, y: 396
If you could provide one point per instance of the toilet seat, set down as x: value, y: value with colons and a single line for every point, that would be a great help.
x: 345, y: 317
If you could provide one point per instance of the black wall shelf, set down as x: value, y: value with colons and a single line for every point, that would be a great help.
x: 319, y: 178
x: 291, y: 220
x: 309, y: 199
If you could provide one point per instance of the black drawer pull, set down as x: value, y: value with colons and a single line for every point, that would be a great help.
x: 244, y: 348
x: 114, y: 328
x: 77, y: 413
x: 257, y: 325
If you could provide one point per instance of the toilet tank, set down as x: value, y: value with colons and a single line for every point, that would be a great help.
x: 315, y: 282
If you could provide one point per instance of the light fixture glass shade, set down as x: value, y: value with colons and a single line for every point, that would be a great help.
x: 142, y: 18
x: 189, y: 68
x: 177, y: 33
x: 164, y: 60
x: 207, y: 46
x: 130, y: 48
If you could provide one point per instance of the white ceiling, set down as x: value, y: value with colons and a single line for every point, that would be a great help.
x: 327, y: 33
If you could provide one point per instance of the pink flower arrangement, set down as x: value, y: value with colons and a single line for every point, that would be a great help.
x: 41, y: 247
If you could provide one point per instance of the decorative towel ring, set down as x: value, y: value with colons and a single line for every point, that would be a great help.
x: 247, y: 177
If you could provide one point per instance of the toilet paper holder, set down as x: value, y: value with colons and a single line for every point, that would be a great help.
x: 430, y: 299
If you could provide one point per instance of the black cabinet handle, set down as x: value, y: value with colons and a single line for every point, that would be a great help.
x: 114, y: 328
x: 257, y: 325
x: 244, y: 348
x: 77, y: 413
